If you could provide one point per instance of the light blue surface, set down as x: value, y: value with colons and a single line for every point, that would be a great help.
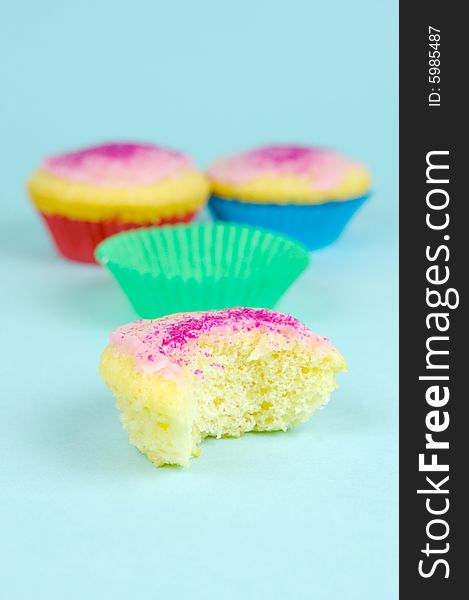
x: 307, y: 514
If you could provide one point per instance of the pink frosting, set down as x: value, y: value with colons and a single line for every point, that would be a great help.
x: 323, y: 167
x: 168, y: 344
x: 119, y: 164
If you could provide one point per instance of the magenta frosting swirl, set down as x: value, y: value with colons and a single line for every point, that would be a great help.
x: 324, y: 167
x: 167, y: 344
x: 119, y: 164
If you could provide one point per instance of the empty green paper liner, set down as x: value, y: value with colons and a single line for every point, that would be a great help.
x: 182, y: 268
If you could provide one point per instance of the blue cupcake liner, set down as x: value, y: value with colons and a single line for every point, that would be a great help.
x: 315, y: 225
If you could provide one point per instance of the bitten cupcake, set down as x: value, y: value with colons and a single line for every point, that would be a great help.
x: 305, y: 192
x: 222, y: 373
x: 87, y: 195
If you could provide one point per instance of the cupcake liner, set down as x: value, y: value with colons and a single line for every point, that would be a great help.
x: 315, y: 225
x: 202, y: 267
x: 77, y: 240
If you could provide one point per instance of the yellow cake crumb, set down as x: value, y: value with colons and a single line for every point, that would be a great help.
x: 236, y: 385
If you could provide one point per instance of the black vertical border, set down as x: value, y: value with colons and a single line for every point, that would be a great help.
x: 425, y: 128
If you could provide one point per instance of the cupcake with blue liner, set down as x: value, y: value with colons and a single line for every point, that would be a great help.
x: 304, y: 192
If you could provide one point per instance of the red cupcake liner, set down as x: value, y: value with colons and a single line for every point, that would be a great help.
x: 77, y: 240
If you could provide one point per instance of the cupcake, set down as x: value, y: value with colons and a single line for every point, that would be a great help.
x: 189, y: 376
x: 305, y: 192
x: 87, y: 195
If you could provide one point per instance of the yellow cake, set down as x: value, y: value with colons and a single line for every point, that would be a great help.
x: 188, y: 376
x: 127, y: 182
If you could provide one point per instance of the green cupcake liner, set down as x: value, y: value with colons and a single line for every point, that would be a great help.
x: 207, y: 266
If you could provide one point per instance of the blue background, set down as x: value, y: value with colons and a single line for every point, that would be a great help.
x: 307, y: 514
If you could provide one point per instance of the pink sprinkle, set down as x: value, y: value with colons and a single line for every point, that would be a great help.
x: 119, y: 164
x: 171, y: 341
x: 324, y: 168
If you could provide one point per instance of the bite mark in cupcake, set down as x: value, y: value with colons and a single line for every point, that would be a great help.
x: 189, y: 376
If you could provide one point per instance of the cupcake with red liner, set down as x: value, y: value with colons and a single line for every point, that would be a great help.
x: 305, y: 192
x: 87, y: 195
